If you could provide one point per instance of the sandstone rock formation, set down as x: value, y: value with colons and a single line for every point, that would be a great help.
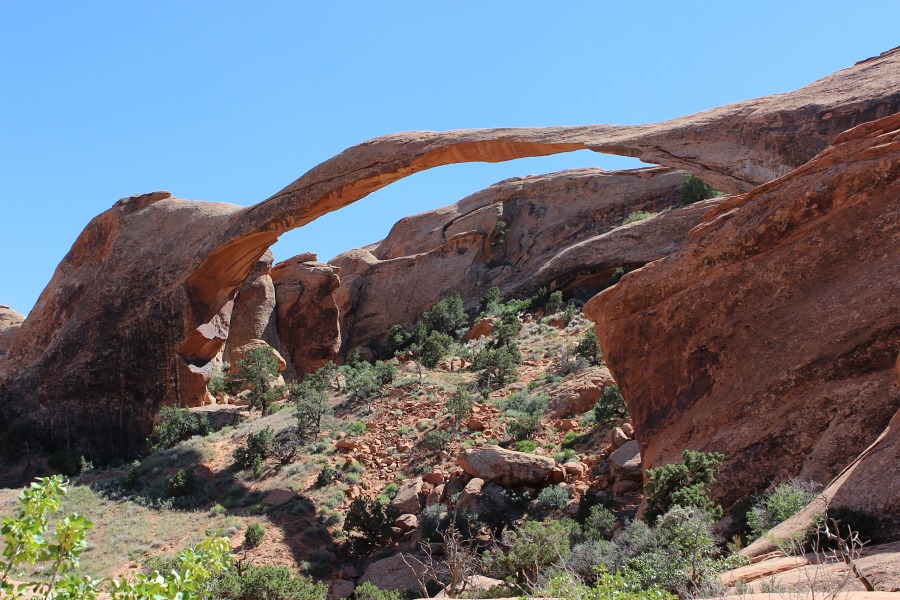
x: 10, y: 321
x: 772, y: 335
x: 125, y: 326
x: 505, y: 467
x: 308, y: 318
x: 253, y: 314
x: 505, y: 236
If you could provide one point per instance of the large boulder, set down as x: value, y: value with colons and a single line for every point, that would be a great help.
x: 409, y: 498
x: 395, y: 573
x: 771, y: 337
x: 138, y: 310
x: 308, y: 317
x: 253, y: 314
x: 506, y: 467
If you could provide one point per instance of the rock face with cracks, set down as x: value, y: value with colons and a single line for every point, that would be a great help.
x: 308, y: 317
x: 772, y: 336
x: 125, y: 326
x: 10, y: 321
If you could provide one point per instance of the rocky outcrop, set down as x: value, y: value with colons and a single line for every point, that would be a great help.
x: 10, y: 321
x: 771, y: 337
x: 506, y: 467
x: 308, y: 317
x: 253, y: 314
x: 126, y: 326
x: 516, y: 235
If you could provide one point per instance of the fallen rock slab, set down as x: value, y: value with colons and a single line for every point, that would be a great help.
x: 506, y: 467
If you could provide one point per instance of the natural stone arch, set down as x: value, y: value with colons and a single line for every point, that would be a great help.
x: 141, y: 303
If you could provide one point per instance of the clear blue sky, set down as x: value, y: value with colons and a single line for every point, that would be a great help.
x: 231, y: 101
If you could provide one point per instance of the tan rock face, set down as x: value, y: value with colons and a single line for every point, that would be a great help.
x: 252, y: 316
x: 772, y: 336
x: 308, y: 317
x: 127, y: 326
x: 505, y: 467
x: 10, y: 321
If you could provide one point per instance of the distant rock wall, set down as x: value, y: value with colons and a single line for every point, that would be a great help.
x: 772, y: 336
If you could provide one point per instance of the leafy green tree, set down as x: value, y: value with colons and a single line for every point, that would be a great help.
x: 176, y: 425
x: 554, y: 303
x: 610, y: 406
x: 435, y: 347
x: 312, y: 405
x: 781, y: 504
x: 491, y: 302
x: 368, y: 523
x: 459, y: 405
x: 253, y: 455
x: 256, y: 373
x: 532, y: 548
x: 497, y: 366
x: 588, y: 347
x: 447, y: 316
x: 693, y: 189
x: 683, y: 484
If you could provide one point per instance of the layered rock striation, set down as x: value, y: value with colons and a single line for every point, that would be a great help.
x: 772, y: 335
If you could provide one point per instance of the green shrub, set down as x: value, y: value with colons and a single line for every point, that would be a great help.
x: 682, y: 484
x: 365, y: 380
x: 357, y: 428
x: 447, y: 316
x: 552, y: 498
x: 610, y: 406
x: 606, y: 586
x: 525, y: 413
x: 218, y: 510
x: 693, y: 189
x: 368, y: 523
x: 554, y: 303
x: 433, y: 521
x: 526, y: 446
x: 777, y: 506
x: 253, y: 455
x: 176, y: 425
x: 182, y: 484
x: 326, y: 476
x: 436, y: 439
x: 254, y: 535
x: 532, y: 548
x: 497, y: 366
x: 638, y: 215
x: 682, y: 557
x: 312, y: 405
x: 459, y: 405
x: 600, y: 523
x: 256, y: 373
x: 267, y: 582
x: 216, y: 385
x: 491, y: 303
x: 435, y: 347
x: 588, y: 347
x: 388, y: 493
x: 369, y: 591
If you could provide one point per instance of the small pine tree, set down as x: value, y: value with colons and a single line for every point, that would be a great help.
x: 256, y: 373
x: 683, y: 484
x: 588, y: 347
